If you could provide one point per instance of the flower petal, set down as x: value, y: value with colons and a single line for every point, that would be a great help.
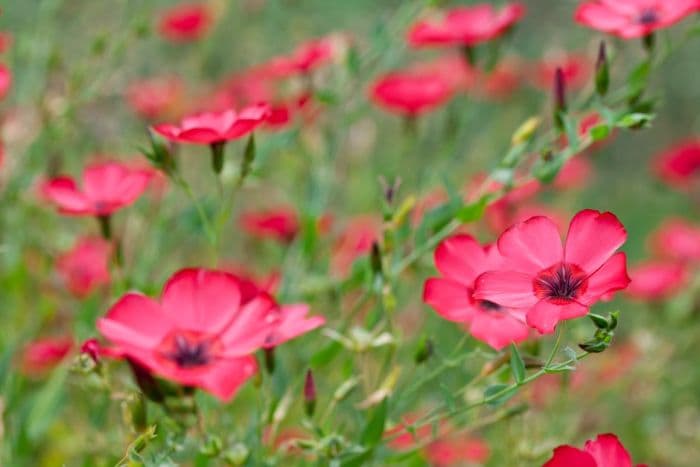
x: 607, y: 450
x: 531, y: 246
x: 63, y: 192
x: 612, y: 276
x: 450, y: 299
x: 135, y: 320
x: 461, y: 258
x: 498, y: 328
x: 507, y: 288
x: 593, y: 238
x: 569, y: 456
x: 546, y: 315
x: 252, y: 328
x: 227, y: 376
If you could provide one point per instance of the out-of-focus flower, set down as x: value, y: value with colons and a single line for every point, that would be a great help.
x: 460, y: 260
x: 457, y: 450
x: 577, y: 70
x: 307, y: 57
x: 552, y: 282
x: 629, y: 19
x: 215, y: 127
x: 86, y: 266
x: 501, y: 214
x: 155, y: 97
x: 185, y: 22
x: 452, y: 68
x: 281, y: 224
x: 677, y: 239
x: 5, y: 80
x: 574, y: 174
x: 411, y: 92
x: 200, y: 334
x: 44, y: 354
x: 401, y: 439
x: 656, y: 280
x: 465, y: 26
x: 605, y: 451
x: 355, y: 240
x: 107, y: 187
x: 5, y: 41
x: 679, y: 166
x: 501, y: 82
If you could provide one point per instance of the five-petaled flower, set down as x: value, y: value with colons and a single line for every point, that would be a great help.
x: 86, y: 266
x: 551, y: 282
x: 107, y: 187
x: 200, y: 334
x: 633, y: 18
x: 185, y: 22
x: 460, y: 260
x: 280, y: 223
x: 605, y: 451
x: 679, y: 165
x: 465, y: 26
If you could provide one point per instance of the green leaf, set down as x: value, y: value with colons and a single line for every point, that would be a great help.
x: 635, y: 120
x: 638, y: 79
x: 517, y: 365
x: 498, y: 394
x: 374, y: 429
x: 474, y: 211
x: 600, y: 132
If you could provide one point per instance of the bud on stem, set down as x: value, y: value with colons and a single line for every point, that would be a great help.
x: 602, y: 71
x: 269, y: 359
x: 309, y: 394
x: 217, y: 156
x: 559, y: 98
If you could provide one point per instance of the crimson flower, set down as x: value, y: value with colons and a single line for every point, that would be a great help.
x: 155, y: 97
x: 633, y: 18
x: 215, y: 127
x: 44, y: 354
x: 281, y: 224
x: 107, y: 187
x: 656, y: 280
x: 185, y: 22
x: 200, y: 334
x: 465, y: 26
x: 551, y: 282
x: 460, y: 260
x: 303, y: 60
x: 86, y: 266
x: 411, y: 92
x: 5, y: 80
x: 679, y: 165
x: 605, y: 451
x: 678, y: 239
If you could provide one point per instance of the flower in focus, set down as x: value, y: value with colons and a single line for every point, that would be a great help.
x: 86, y: 266
x: 551, y: 282
x: 677, y: 239
x: 107, y: 187
x: 155, y: 97
x: 629, y: 19
x: 577, y: 70
x: 42, y: 355
x: 200, y: 334
x: 281, y: 224
x: 411, y: 92
x: 465, y: 26
x: 185, y: 22
x: 460, y: 260
x: 656, y: 280
x: 679, y: 166
x: 5, y: 80
x: 356, y: 240
x: 215, y: 127
x: 605, y: 451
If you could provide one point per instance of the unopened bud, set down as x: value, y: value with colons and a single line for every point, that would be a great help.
x: 559, y: 98
x: 424, y: 351
x: 217, y: 156
x: 376, y: 259
x: 602, y: 71
x: 309, y: 394
x: 269, y: 353
x: 91, y: 348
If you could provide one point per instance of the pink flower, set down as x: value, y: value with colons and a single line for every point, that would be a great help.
x: 500, y: 214
x: 656, y: 280
x: 200, y: 334
x: 679, y: 166
x: 5, y: 80
x: 281, y: 224
x: 215, y: 127
x: 303, y: 60
x: 629, y: 19
x: 86, y: 266
x: 452, y: 68
x: 107, y: 187
x: 575, y: 174
x: 356, y: 240
x: 501, y: 82
x: 465, y: 26
x: 460, y: 260
x: 678, y: 239
x: 551, y: 282
x: 44, y: 354
x: 457, y: 450
x: 411, y: 92
x: 605, y: 451
x: 577, y: 70
x: 185, y: 22
x: 155, y: 97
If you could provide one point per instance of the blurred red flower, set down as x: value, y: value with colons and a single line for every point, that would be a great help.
x: 574, y: 174
x: 215, y: 127
x: 679, y: 165
x: 457, y: 450
x: 411, y: 92
x: 107, y: 187
x: 5, y: 41
x: 355, y: 241
x: 185, y: 22
x: 5, y: 80
x: 44, y: 354
x: 577, y: 69
x: 656, y: 280
x: 605, y: 451
x: 303, y: 60
x: 552, y: 282
x: 451, y: 67
x: 465, y: 26
x: 629, y: 19
x: 281, y: 224
x: 677, y: 239
x: 85, y: 267
x: 155, y: 97
x: 501, y: 82
x: 200, y: 334
x: 460, y: 260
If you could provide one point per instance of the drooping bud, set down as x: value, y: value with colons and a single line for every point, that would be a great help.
x: 309, y: 393
x: 91, y: 348
x: 559, y: 98
x: 602, y: 71
x: 248, y: 158
x: 217, y: 156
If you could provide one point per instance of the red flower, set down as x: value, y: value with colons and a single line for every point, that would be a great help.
x: 107, y: 187
x: 411, y: 92
x: 303, y: 60
x: 679, y: 166
x: 460, y: 260
x: 281, y: 224
x: 678, y: 239
x: 633, y: 18
x: 501, y: 214
x: 656, y: 280
x: 42, y: 355
x: 86, y: 266
x: 5, y: 80
x: 605, y: 451
x: 215, y: 127
x: 465, y: 26
x: 501, y: 82
x: 574, y: 174
x: 200, y: 334
x: 577, y: 70
x: 458, y: 450
x: 155, y: 97
x: 185, y: 22
x: 356, y: 240
x: 552, y: 283
x: 452, y: 67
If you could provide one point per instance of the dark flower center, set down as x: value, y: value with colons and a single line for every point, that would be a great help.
x: 487, y: 305
x: 648, y: 17
x: 188, y: 354
x: 561, y: 283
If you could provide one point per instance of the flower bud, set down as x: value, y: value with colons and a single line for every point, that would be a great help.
x: 602, y: 71
x: 269, y: 353
x: 91, y: 348
x: 217, y: 156
x: 559, y: 98
x: 424, y: 351
x: 376, y: 259
x: 309, y: 394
